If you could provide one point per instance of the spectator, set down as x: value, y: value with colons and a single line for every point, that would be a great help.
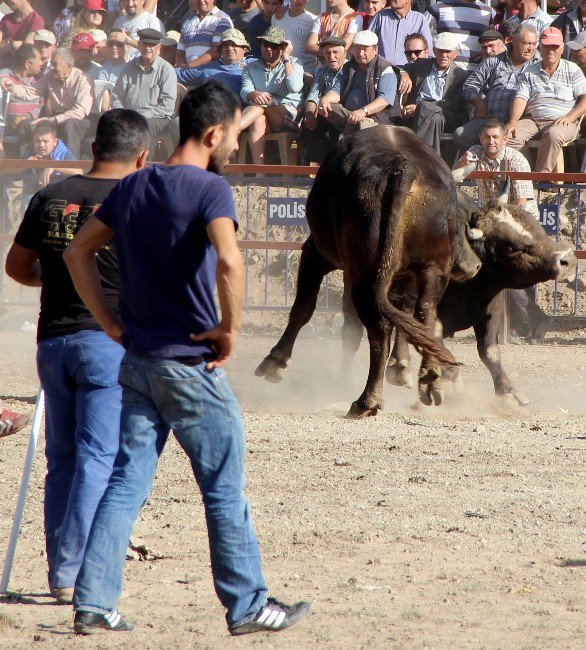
x: 491, y: 44
x: 101, y: 52
x: 78, y: 364
x: 15, y: 27
x: 67, y: 97
x: 200, y: 34
x: 45, y: 41
x: 506, y: 30
x: 11, y: 422
x: 259, y: 24
x: 571, y: 23
x: 297, y: 24
x: 392, y: 25
x: 339, y: 20
x: 528, y: 13
x: 368, y: 90
x: 549, y: 102
x: 21, y: 112
x: 416, y: 47
x: 82, y: 48
x: 493, y: 155
x: 227, y: 69
x: 319, y: 134
x: 92, y: 16
x: 371, y: 8
x: 169, y: 46
x: 64, y: 20
x: 242, y: 14
x: 271, y: 86
x: 577, y: 49
x: 491, y: 88
x: 135, y: 19
x: 465, y: 20
x: 148, y: 85
x: 118, y: 47
x: 435, y: 104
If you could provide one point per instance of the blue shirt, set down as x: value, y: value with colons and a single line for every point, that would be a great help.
x: 256, y: 27
x: 228, y: 74
x: 167, y: 263
x: 392, y: 31
x: 32, y: 176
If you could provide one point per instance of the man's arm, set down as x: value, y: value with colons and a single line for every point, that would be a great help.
x: 84, y: 99
x: 517, y: 109
x: 230, y: 284
x: 207, y: 57
x: 80, y: 257
x: 22, y: 265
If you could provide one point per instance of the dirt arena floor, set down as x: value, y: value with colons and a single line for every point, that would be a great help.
x: 455, y: 527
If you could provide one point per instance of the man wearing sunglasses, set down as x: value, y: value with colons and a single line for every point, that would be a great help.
x: 416, y: 47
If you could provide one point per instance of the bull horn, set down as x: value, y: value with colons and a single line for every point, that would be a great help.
x: 504, y: 195
x: 461, y: 173
x: 474, y: 233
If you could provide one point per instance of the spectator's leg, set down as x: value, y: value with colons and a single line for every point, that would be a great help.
x: 72, y: 133
x: 249, y: 115
x: 525, y: 130
x: 468, y: 135
x: 319, y: 141
x: 157, y: 126
x: 256, y: 139
x: 429, y: 123
x: 552, y: 138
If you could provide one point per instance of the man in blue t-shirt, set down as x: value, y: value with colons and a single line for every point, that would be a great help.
x: 174, y: 227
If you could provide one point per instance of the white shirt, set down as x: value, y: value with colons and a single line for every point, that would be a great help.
x: 297, y: 30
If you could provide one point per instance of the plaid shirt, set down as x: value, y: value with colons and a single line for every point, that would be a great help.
x: 508, y: 160
x: 498, y: 79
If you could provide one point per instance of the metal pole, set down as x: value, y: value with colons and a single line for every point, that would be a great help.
x: 26, y: 474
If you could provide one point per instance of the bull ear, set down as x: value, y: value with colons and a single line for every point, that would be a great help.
x: 504, y: 195
x: 460, y: 174
x: 474, y: 233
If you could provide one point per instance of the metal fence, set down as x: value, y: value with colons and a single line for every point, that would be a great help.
x: 271, y: 210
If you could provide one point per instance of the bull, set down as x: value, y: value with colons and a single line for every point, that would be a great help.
x: 383, y: 209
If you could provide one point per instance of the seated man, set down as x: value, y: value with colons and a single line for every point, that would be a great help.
x: 200, y: 34
x: 259, y: 24
x: 272, y: 87
x: 82, y: 48
x: 416, y: 47
x: 319, y: 134
x: 491, y: 43
x: 148, y: 85
x: 549, y: 102
x: 368, y: 89
x: 118, y: 47
x: 435, y: 104
x: 491, y: 88
x: 67, y: 96
x: 227, y: 69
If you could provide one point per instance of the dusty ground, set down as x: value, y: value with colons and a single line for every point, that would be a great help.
x: 459, y: 527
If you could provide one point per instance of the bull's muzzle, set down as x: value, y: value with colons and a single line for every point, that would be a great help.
x: 565, y: 263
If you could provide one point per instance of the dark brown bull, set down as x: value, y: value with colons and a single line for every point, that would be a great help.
x: 382, y: 209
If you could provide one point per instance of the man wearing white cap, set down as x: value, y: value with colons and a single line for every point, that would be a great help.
x: 368, y: 91
x: 435, y: 104
x: 45, y: 42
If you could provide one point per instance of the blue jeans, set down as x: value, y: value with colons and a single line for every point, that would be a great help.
x: 199, y: 406
x: 79, y: 374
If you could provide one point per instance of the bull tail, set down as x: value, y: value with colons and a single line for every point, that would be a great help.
x: 418, y: 334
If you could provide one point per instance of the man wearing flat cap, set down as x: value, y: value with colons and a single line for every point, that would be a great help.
x: 271, y: 86
x: 549, y: 102
x: 227, y: 69
x: 148, y: 85
x: 435, y: 104
x: 491, y: 43
x: 368, y: 89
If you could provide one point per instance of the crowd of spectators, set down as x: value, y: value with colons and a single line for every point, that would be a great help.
x: 439, y: 68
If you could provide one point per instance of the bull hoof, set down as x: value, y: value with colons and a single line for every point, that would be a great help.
x: 271, y: 369
x: 359, y: 411
x: 425, y: 395
x: 399, y: 376
x: 521, y: 399
x: 437, y: 395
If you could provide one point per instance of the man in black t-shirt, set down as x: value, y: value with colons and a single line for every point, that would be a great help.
x: 77, y: 362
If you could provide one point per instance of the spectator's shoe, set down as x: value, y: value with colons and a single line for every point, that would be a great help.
x: 514, y: 338
x: 273, y: 617
x: 90, y: 623
x: 538, y: 334
x: 63, y: 595
x: 11, y: 422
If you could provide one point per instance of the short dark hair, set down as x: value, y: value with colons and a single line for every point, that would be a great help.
x: 44, y: 127
x: 205, y: 106
x: 26, y: 52
x: 494, y: 123
x: 121, y: 136
x: 419, y: 37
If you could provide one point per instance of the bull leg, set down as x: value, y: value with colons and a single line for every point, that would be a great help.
x: 312, y: 269
x: 352, y: 331
x: 377, y: 327
x: 431, y: 282
x: 486, y: 332
x: 399, y: 371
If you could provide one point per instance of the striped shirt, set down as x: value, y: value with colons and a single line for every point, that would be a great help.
x: 508, y: 160
x: 551, y: 97
x: 539, y: 20
x: 29, y: 108
x: 198, y: 36
x: 467, y: 20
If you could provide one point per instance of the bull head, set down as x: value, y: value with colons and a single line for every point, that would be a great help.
x: 461, y: 173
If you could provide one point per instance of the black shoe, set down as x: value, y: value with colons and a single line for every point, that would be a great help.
x: 273, y: 617
x: 90, y: 623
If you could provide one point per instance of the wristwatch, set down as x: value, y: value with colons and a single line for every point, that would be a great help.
x: 365, y: 110
x: 286, y: 60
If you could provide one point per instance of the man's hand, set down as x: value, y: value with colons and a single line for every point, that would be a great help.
x: 325, y: 107
x: 223, y: 344
x: 356, y: 116
x: 565, y: 120
x: 409, y: 110
x: 45, y: 177
x: 405, y: 83
x: 310, y: 121
x: 259, y: 98
x: 42, y: 120
x: 288, y: 49
x: 6, y: 83
x: 467, y: 159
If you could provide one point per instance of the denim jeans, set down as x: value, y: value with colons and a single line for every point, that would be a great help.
x: 199, y: 406
x: 79, y: 374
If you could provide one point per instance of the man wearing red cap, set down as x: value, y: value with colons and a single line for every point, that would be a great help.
x: 550, y: 100
x: 82, y: 48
